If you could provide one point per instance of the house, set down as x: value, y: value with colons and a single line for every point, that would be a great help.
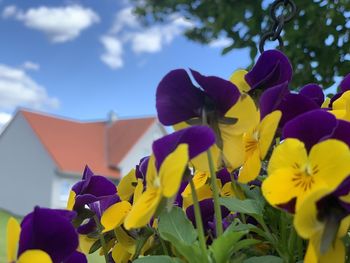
x: 43, y: 156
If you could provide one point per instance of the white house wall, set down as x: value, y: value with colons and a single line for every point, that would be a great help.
x: 26, y: 169
x: 142, y: 148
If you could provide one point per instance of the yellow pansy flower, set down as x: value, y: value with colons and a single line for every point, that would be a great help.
x: 293, y: 173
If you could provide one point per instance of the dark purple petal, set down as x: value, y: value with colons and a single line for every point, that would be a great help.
x: 224, y: 176
x: 313, y: 92
x: 271, y: 69
x: 177, y: 99
x: 222, y: 92
x: 310, y: 127
x: 87, y: 174
x: 293, y: 105
x: 272, y: 98
x: 76, y: 257
x: 198, y: 138
x: 87, y: 228
x: 345, y: 84
x: 289, y: 206
x: 207, y: 212
x: 142, y: 168
x: 341, y: 132
x: 343, y: 189
x: 50, y: 231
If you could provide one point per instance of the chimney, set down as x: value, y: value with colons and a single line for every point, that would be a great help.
x: 112, y: 117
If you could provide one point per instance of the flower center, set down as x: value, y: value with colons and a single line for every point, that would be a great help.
x: 304, y: 178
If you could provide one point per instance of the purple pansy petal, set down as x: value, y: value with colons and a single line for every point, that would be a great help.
x: 223, y: 92
x: 345, y: 83
x: 100, y: 186
x: 271, y: 69
x: 177, y: 99
x: 343, y: 189
x: 306, y: 127
x: 224, y: 176
x: 142, y: 168
x: 87, y: 174
x: 87, y: 228
x: 272, y: 98
x: 48, y: 230
x: 108, y: 201
x: 207, y: 212
x: 76, y: 257
x: 313, y: 92
x: 198, y: 139
x: 341, y: 132
x: 293, y: 105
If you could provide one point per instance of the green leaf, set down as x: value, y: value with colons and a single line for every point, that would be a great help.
x: 223, y: 247
x: 175, y: 224
x: 157, y: 259
x: 264, y: 259
x: 175, y: 228
x: 141, y: 240
x: 247, y: 206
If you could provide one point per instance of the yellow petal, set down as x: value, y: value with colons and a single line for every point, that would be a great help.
x: 227, y: 190
x: 267, y: 129
x: 200, y: 163
x: 336, y: 252
x: 12, y: 237
x: 71, y: 200
x: 34, y: 255
x: 199, y: 179
x: 246, y: 114
x: 251, y: 168
x: 341, y: 106
x: 288, y: 154
x: 278, y: 188
x: 143, y: 210
x: 127, y: 242
x: 305, y: 221
x: 233, y: 147
x: 120, y: 254
x: 344, y: 227
x: 330, y: 157
x: 138, y: 190
x: 238, y: 79
x: 115, y: 215
x: 126, y: 186
x: 85, y: 243
x: 172, y: 169
x: 180, y: 126
x: 151, y: 173
x: 326, y: 102
x: 202, y: 193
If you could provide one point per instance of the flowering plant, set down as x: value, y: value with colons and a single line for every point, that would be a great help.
x: 253, y: 173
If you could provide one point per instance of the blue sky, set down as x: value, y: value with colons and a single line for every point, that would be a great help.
x: 82, y: 59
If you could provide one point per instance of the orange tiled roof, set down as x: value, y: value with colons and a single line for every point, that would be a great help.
x: 101, y: 145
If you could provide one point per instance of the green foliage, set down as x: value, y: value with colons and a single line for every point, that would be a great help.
x: 157, y: 259
x: 247, y: 206
x: 264, y: 259
x: 175, y: 228
x: 314, y: 59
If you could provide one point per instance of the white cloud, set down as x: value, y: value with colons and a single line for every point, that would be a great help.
x: 221, y: 42
x: 129, y: 32
x: 60, y: 24
x: 9, y: 11
x: 17, y: 88
x: 112, y: 55
x: 29, y: 65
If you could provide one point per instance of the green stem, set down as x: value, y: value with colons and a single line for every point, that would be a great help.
x: 198, y: 218
x: 102, y: 239
x: 214, y: 188
x: 271, y: 238
x: 165, y: 250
